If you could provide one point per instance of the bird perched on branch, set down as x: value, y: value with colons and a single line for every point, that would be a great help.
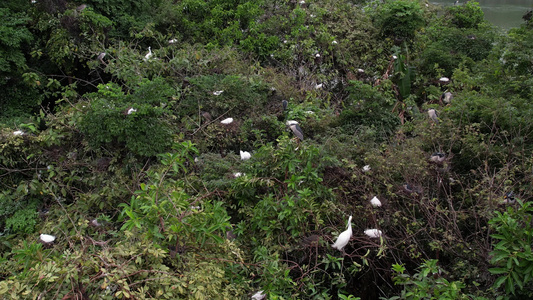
x: 375, y: 202
x: 373, y: 233
x: 295, y: 128
x: 447, y: 97
x: 149, y: 54
x: 437, y: 157
x: 433, y: 115
x: 344, y: 237
x: 245, y: 155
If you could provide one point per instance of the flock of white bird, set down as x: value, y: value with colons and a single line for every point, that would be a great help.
x: 345, y: 236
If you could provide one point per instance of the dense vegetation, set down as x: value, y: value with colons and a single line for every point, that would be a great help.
x: 124, y: 159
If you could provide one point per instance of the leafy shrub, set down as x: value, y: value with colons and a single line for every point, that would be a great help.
x: 467, y: 15
x: 428, y: 283
x: 400, y: 19
x: 512, y: 255
x: 369, y: 107
x: 23, y: 220
x: 143, y: 131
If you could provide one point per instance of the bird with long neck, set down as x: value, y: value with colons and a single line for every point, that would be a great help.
x: 344, y: 237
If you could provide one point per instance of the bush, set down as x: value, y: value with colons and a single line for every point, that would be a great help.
x: 467, y: 15
x: 135, y: 120
x: 399, y: 19
x: 512, y: 256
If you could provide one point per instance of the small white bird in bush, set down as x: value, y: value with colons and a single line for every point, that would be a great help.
x: 444, y: 80
x: 172, y: 41
x: 46, y: 238
x: 373, y: 233
x: 375, y: 202
x: 245, y: 155
x: 18, y: 132
x: 366, y: 168
x: 149, y: 54
x: 260, y: 295
x: 344, y: 237
x: 227, y: 121
x: 216, y: 93
x: 319, y: 86
x: 334, y: 43
x: 131, y: 110
x: 238, y: 174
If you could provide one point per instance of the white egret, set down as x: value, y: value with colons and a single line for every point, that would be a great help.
x: 433, y: 115
x: 375, y: 202
x: 149, y: 54
x: 227, y: 121
x: 216, y: 93
x: 317, y: 55
x: 238, y: 174
x: 373, y: 233
x: 18, y: 132
x: 245, y: 155
x: 46, y: 238
x: 334, y: 43
x: 260, y: 295
x: 366, y: 168
x: 444, y: 80
x: 131, y: 110
x: 318, y: 86
x: 344, y: 237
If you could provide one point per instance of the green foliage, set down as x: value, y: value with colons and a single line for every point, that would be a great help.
x: 144, y: 131
x: 13, y: 37
x: 428, y: 283
x: 370, y: 107
x: 467, y: 15
x: 400, y: 19
x: 511, y: 255
x: 23, y: 220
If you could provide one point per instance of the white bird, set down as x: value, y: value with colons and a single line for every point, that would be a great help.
x: 131, y: 110
x: 317, y: 55
x: 18, y: 132
x: 172, y: 41
x: 373, y: 233
x: 366, y: 168
x: 360, y: 71
x: 344, y: 237
x: 260, y: 295
x: 433, y: 115
x: 334, y: 43
x: 375, y: 202
x: 245, y: 155
x: 216, y: 93
x: 444, y: 80
x: 149, y: 54
x: 318, y: 86
x: 238, y: 174
x: 227, y: 121
x: 47, y: 238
